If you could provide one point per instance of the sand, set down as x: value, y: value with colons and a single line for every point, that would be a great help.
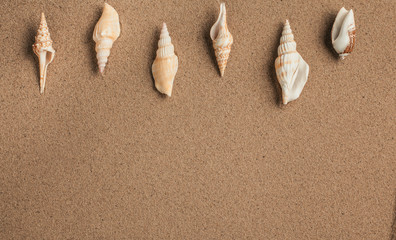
x: 111, y: 158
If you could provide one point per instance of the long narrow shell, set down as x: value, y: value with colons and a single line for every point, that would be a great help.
x: 222, y: 39
x: 343, y: 33
x: 44, y: 50
x: 291, y: 69
x: 165, y: 64
x: 107, y: 30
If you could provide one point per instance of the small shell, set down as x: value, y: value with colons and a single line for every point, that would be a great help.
x: 291, y: 69
x: 107, y: 30
x: 44, y: 50
x: 222, y: 39
x: 343, y: 33
x: 165, y: 64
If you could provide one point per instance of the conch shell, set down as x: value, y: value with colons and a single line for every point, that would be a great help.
x: 343, y: 33
x: 44, y: 50
x: 165, y: 64
x: 291, y: 69
x: 107, y: 30
x: 222, y: 39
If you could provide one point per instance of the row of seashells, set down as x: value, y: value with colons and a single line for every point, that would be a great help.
x: 291, y: 69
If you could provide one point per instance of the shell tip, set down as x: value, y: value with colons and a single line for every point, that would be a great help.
x: 41, y: 90
x: 101, y: 70
x: 167, y: 92
x: 43, y: 18
x: 287, y: 22
x: 284, y: 98
x: 164, y: 27
x: 342, y: 56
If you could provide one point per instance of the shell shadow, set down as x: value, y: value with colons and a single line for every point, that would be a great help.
x: 154, y: 46
x: 271, y: 67
x: 328, y: 25
x: 393, y: 228
x: 91, y: 43
x: 29, y: 41
x: 206, y: 35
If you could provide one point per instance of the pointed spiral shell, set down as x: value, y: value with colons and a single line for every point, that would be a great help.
x: 291, y: 69
x: 165, y: 64
x: 288, y: 57
x: 107, y: 30
x: 44, y: 50
x: 222, y: 39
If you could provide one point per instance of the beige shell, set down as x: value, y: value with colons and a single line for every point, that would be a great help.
x: 44, y: 50
x: 343, y: 33
x: 107, y: 30
x: 291, y: 69
x: 222, y: 39
x: 165, y: 64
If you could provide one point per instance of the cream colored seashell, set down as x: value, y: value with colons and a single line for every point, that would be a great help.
x: 222, y: 39
x: 343, y: 33
x: 107, y: 30
x: 44, y: 50
x: 291, y: 69
x: 165, y: 64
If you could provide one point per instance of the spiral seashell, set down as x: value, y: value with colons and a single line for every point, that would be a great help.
x: 107, y: 30
x: 291, y: 69
x: 165, y: 64
x: 44, y: 50
x: 343, y: 33
x: 222, y: 39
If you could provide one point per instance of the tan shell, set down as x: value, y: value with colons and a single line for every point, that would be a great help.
x: 222, y: 39
x: 44, y: 50
x: 107, y: 30
x: 165, y: 64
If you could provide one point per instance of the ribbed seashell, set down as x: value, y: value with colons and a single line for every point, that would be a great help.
x: 291, y: 69
x: 343, y: 33
x: 44, y: 50
x: 222, y: 39
x: 107, y: 30
x: 165, y: 64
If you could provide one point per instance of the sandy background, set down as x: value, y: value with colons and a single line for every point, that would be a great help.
x: 110, y: 158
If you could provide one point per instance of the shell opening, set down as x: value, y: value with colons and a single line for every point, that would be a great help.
x: 221, y: 22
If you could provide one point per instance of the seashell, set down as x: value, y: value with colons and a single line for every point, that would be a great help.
x: 165, y: 64
x: 222, y: 39
x: 343, y: 33
x: 107, y: 30
x: 291, y: 69
x: 44, y: 50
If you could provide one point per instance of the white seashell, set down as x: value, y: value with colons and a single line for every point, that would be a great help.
x: 44, y: 50
x: 343, y: 33
x: 165, y: 64
x: 291, y: 69
x: 107, y: 30
x: 222, y: 39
